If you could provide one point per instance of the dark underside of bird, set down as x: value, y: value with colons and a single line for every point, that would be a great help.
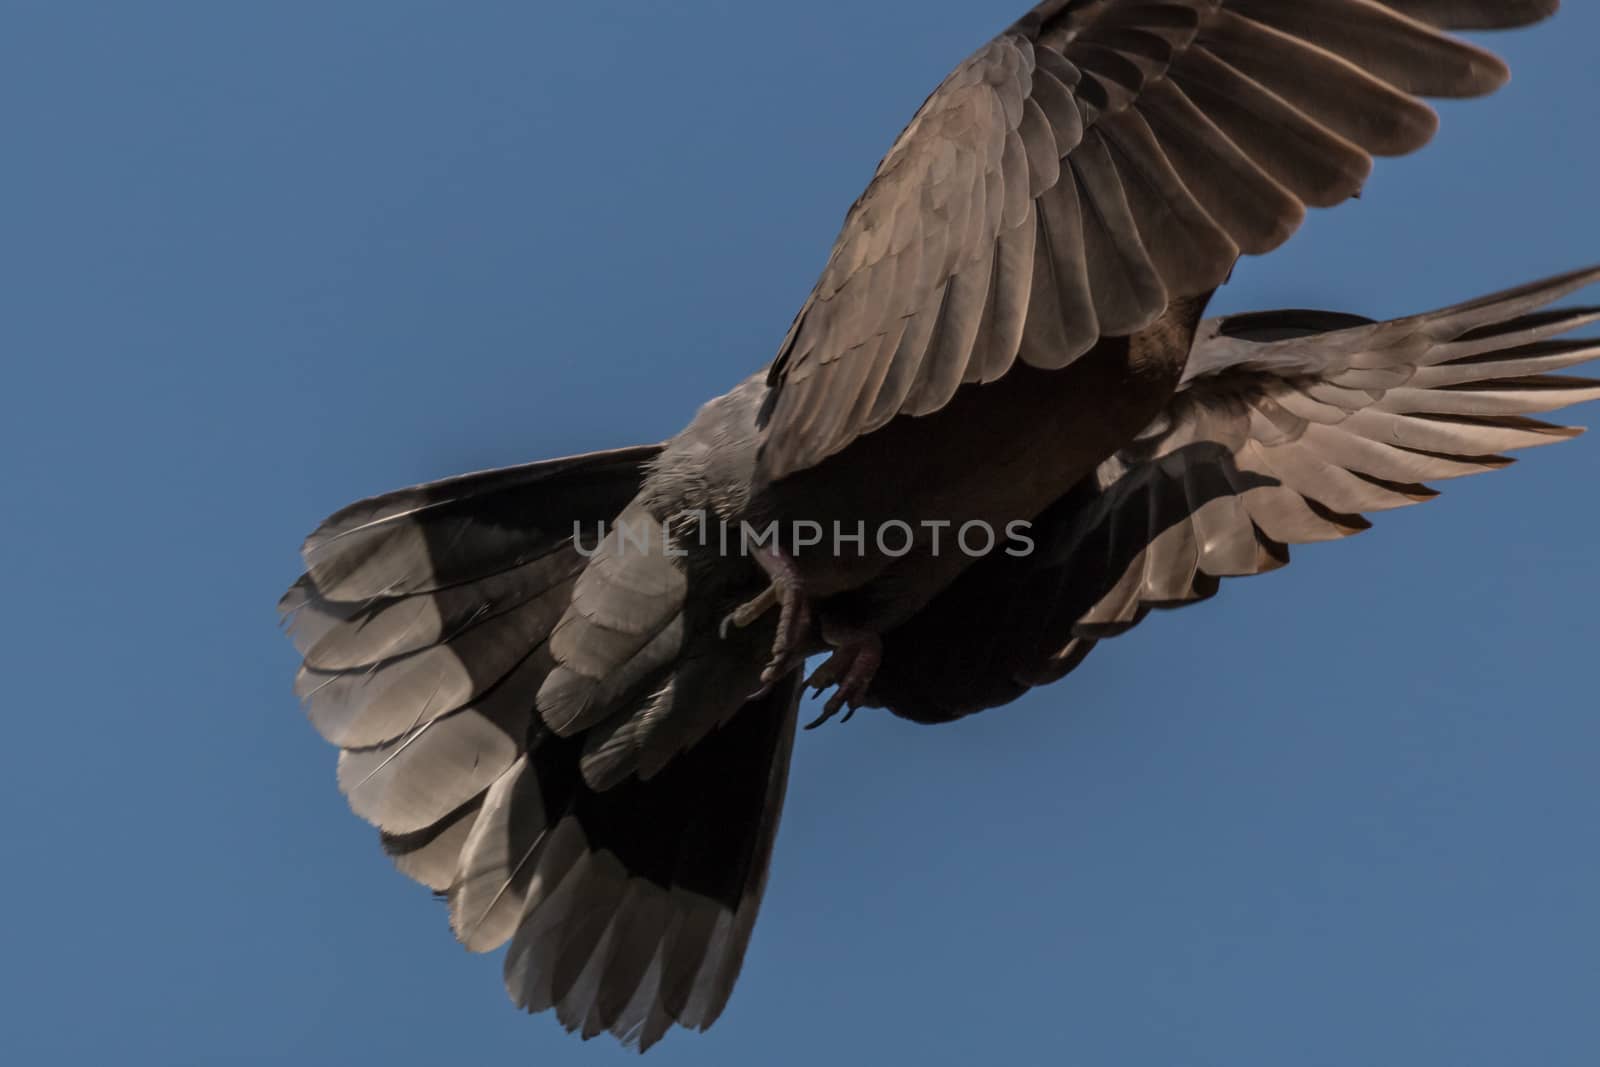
x: 567, y: 700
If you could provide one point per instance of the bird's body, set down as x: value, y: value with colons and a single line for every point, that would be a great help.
x: 996, y: 455
x: 582, y: 738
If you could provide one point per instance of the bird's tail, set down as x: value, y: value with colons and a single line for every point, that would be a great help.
x: 504, y: 695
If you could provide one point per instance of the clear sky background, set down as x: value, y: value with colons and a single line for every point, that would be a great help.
x: 260, y: 259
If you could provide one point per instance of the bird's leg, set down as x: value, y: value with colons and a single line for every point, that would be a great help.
x: 857, y: 654
x: 794, y: 612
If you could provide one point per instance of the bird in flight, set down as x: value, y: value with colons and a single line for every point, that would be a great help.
x: 999, y: 430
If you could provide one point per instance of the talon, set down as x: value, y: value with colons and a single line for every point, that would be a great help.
x: 825, y: 675
x: 829, y: 710
x: 852, y: 666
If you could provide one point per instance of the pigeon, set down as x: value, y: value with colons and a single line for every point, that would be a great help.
x: 999, y: 430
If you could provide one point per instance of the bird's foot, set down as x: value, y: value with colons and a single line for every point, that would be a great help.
x: 854, y: 663
x: 794, y: 613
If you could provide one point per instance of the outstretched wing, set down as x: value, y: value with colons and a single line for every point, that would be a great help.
x: 1096, y: 161
x: 1288, y: 426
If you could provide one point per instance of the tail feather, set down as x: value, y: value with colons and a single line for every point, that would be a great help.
x: 334, y: 637
x: 556, y: 743
x: 462, y: 529
x: 431, y: 856
x: 412, y: 782
x: 372, y: 705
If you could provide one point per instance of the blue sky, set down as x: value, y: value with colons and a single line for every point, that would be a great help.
x: 261, y: 259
